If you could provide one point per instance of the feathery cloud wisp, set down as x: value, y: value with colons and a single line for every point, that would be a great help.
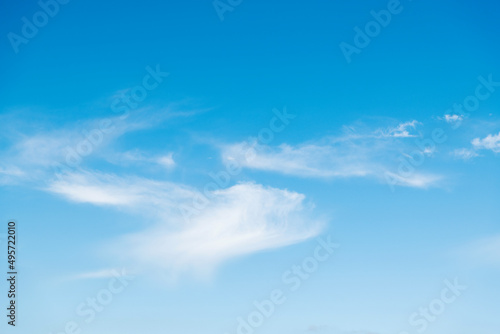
x: 354, y: 155
x: 402, y: 130
x: 239, y: 220
x: 465, y: 153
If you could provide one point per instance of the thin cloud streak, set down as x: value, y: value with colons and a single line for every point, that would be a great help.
x: 353, y: 155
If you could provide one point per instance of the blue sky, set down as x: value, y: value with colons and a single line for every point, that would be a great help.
x: 174, y: 162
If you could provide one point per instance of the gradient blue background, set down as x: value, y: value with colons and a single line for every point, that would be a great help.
x: 397, y: 247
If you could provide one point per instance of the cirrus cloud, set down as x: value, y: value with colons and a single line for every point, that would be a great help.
x: 239, y: 220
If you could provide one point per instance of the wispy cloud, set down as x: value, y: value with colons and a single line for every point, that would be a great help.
x: 103, y: 273
x: 402, y: 130
x: 453, y: 119
x: 122, y: 191
x: 239, y: 220
x: 465, y: 153
x: 307, y: 160
x: 34, y: 152
x: 415, y: 180
x: 10, y: 174
x: 165, y: 160
x: 351, y: 155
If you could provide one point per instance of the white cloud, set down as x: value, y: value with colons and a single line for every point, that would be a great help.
x: 87, y: 188
x: 465, y: 153
x: 402, y: 130
x: 414, y: 180
x: 36, y: 154
x: 166, y: 161
x: 129, y: 192
x: 351, y: 156
x: 74, y: 142
x: 240, y: 220
x: 236, y: 221
x: 308, y: 160
x: 103, y: 273
x: 10, y: 174
x: 490, y: 142
x: 136, y: 156
x: 453, y: 119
